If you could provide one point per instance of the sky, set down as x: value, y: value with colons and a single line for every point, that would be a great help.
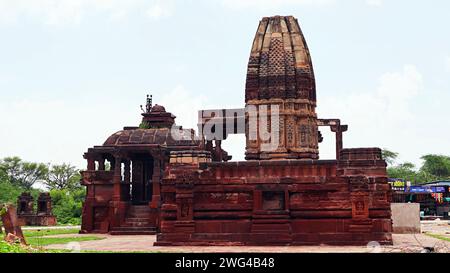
x: 73, y: 72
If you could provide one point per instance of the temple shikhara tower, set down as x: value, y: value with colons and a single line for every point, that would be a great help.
x: 280, y: 73
x: 181, y: 185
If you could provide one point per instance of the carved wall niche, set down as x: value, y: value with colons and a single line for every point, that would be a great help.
x: 184, y: 210
x: 273, y: 200
x: 168, y: 197
x: 360, y: 205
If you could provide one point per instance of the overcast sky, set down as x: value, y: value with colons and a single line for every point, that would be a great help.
x: 72, y: 72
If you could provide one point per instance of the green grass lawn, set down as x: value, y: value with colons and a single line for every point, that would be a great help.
x: 17, y: 248
x: 47, y: 232
x: 43, y: 241
x: 440, y: 237
x: 38, y: 239
x: 8, y: 248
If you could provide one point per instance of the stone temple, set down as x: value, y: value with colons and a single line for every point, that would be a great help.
x: 182, y: 186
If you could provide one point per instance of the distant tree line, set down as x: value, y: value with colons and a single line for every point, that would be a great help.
x: 62, y: 181
x: 433, y: 168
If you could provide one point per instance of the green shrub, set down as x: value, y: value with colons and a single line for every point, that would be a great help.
x: 67, y: 205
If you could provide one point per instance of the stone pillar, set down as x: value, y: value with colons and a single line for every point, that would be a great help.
x: 127, y: 181
x: 218, y: 156
x: 113, y: 164
x: 339, y: 129
x: 118, y: 206
x: 209, y: 146
x: 87, y: 221
x: 127, y: 176
x: 156, y: 180
x: 91, y: 164
x: 101, y: 164
x: 117, y: 179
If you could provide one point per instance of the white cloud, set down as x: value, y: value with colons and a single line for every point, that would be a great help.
x: 392, y: 98
x: 270, y: 4
x: 396, y: 91
x: 383, y: 117
x: 63, y: 12
x: 374, y: 3
x: 160, y: 10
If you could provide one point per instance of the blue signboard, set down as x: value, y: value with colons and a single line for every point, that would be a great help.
x: 425, y: 189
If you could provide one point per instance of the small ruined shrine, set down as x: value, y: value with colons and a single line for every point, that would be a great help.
x: 26, y: 214
x: 172, y: 182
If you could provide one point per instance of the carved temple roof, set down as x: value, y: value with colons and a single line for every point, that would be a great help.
x: 159, y: 136
x: 280, y: 64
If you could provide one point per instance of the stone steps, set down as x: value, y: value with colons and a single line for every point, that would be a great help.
x: 137, y: 222
x: 138, y: 215
x: 133, y: 231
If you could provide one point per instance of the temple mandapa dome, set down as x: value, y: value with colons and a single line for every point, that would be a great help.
x: 159, y: 136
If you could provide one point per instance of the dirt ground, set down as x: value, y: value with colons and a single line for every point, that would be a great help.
x: 408, y: 243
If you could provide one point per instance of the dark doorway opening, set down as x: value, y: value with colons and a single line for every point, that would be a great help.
x: 141, y: 185
x: 23, y: 207
x: 42, y: 207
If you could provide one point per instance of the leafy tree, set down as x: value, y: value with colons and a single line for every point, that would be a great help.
x: 23, y: 174
x: 424, y: 177
x: 63, y: 176
x: 3, y: 176
x: 67, y: 206
x: 9, y: 192
x: 10, y: 166
x: 403, y: 171
x: 389, y: 156
x: 436, y: 165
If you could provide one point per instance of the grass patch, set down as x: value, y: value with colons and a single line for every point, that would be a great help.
x: 48, y: 232
x: 43, y: 241
x: 38, y: 239
x: 17, y: 248
x: 440, y: 237
x: 11, y: 248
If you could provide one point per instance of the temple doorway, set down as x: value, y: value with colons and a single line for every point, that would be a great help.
x: 141, y: 184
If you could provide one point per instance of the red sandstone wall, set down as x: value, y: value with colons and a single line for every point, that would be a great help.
x: 278, y: 202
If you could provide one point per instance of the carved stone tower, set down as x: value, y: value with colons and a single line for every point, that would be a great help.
x: 280, y: 75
